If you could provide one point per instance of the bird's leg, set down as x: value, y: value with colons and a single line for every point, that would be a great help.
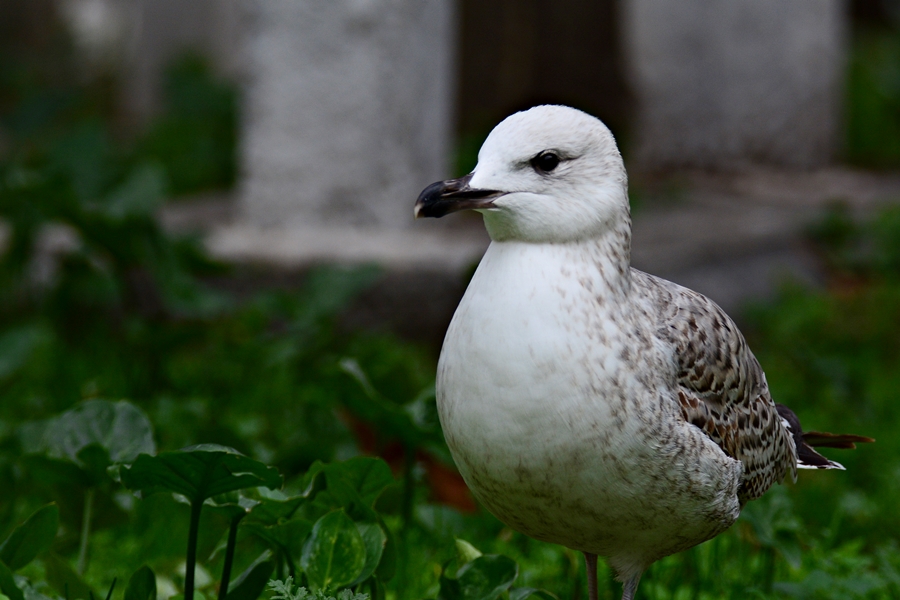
x: 630, y: 587
x: 590, y: 561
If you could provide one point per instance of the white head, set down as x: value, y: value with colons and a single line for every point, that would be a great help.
x: 547, y: 174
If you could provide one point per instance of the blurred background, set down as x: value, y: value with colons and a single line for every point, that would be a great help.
x: 206, y: 208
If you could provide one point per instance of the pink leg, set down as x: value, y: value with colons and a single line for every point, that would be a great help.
x: 590, y: 561
x: 630, y: 588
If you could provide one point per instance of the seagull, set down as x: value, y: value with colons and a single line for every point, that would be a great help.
x: 587, y: 403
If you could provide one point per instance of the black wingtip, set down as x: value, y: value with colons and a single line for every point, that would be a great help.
x: 807, y: 458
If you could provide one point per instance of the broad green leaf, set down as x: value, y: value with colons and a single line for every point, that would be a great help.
x: 387, y: 565
x: 83, y: 156
x: 31, y: 593
x: 30, y: 538
x: 388, y: 416
x: 273, y: 506
x: 65, y: 580
x: 251, y: 583
x: 313, y: 480
x: 142, y: 585
x: 119, y: 428
x: 198, y: 472
x: 17, y: 345
x: 368, y: 476
x: 54, y: 471
x: 231, y: 505
x: 138, y: 196
x: 353, y: 485
x: 335, y: 553
x: 485, y: 578
x: 466, y: 552
x: 523, y: 593
x: 374, y: 538
x: 8, y: 584
x: 287, y: 536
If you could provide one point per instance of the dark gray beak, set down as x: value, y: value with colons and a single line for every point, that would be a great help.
x: 445, y: 197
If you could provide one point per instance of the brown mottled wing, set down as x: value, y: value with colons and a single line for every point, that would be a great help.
x: 722, y: 388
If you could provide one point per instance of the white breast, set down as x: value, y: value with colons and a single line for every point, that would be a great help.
x: 552, y: 397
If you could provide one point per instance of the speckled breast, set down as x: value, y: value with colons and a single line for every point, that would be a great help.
x: 562, y: 434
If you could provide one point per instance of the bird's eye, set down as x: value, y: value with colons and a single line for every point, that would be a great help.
x: 545, y: 162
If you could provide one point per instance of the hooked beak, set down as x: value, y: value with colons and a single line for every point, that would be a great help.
x: 445, y: 197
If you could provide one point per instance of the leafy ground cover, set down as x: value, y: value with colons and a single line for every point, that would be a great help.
x: 240, y: 446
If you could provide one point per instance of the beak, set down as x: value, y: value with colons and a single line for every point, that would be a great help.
x: 445, y: 197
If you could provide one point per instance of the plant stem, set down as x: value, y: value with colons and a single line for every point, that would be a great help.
x: 85, y: 530
x: 111, y: 588
x: 292, y: 570
x: 229, y: 555
x: 409, y: 486
x: 191, y: 559
x: 409, y: 490
x: 769, y: 558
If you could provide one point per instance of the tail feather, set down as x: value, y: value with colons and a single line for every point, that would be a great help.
x: 847, y: 441
x: 807, y: 458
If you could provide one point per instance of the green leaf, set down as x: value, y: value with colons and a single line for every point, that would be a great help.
x: 273, y: 506
x: 335, y: 553
x: 30, y: 538
x: 231, y: 505
x: 66, y: 581
x: 287, y: 537
x: 8, y: 584
x: 56, y: 472
x: 198, y: 472
x: 374, y: 539
x: 138, y: 196
x: 466, y: 552
x: 369, y: 476
x: 523, y: 593
x: 353, y: 485
x: 485, y: 578
x: 142, y: 585
x: 386, y: 415
x: 387, y: 565
x: 83, y: 155
x: 17, y: 346
x: 251, y: 583
x: 119, y: 428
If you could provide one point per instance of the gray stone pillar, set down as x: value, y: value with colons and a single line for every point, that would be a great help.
x: 347, y: 110
x: 724, y: 83
x: 157, y: 31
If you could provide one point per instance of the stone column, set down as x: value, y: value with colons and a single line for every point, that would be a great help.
x: 140, y: 38
x: 347, y: 110
x: 724, y: 83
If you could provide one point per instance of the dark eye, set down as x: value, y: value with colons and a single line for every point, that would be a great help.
x: 545, y: 162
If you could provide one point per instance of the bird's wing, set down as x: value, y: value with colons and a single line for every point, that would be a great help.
x: 721, y: 387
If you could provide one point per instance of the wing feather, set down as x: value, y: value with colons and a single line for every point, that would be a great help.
x: 721, y: 387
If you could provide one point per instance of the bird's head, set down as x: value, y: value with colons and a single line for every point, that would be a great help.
x: 547, y: 174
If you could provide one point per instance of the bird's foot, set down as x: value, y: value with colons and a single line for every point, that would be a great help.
x: 590, y: 561
x: 630, y: 587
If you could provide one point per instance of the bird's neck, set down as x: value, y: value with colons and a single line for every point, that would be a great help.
x: 610, y: 254
x: 599, y: 266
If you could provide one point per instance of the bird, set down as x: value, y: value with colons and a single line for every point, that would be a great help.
x: 587, y: 403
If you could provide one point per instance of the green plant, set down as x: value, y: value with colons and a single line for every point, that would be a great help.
x: 286, y: 590
x: 476, y: 576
